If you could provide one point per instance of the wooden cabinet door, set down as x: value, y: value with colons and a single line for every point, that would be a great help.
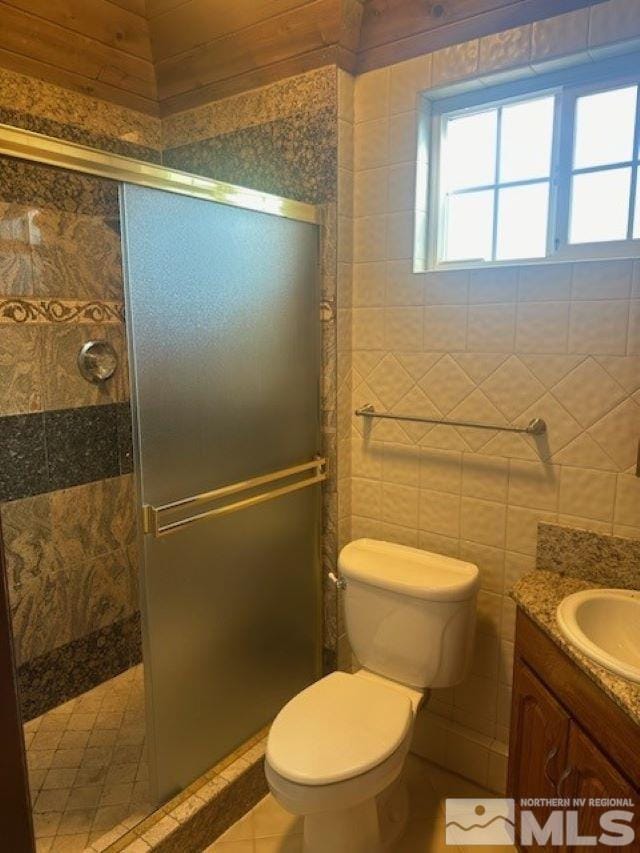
x: 538, y: 742
x: 590, y: 775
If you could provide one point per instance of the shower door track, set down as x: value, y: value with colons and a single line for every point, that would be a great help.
x: 36, y: 147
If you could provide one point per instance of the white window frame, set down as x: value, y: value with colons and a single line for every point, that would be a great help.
x: 566, y: 86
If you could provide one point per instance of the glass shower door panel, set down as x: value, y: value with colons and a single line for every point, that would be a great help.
x: 223, y: 309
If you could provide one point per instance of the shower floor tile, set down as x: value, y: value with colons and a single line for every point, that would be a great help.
x: 88, y: 767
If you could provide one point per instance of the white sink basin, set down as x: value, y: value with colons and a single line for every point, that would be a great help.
x: 604, y: 624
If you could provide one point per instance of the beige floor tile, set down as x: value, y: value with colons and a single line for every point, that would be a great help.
x: 424, y: 837
x: 70, y: 843
x: 449, y: 784
x: 86, y: 775
x: 279, y: 844
x: 46, y: 825
x: 59, y: 777
x: 269, y: 818
x: 76, y: 821
x: 237, y: 846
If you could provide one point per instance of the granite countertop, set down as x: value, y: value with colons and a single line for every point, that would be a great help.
x: 539, y: 593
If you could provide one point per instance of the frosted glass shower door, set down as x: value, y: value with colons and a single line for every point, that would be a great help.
x: 223, y: 314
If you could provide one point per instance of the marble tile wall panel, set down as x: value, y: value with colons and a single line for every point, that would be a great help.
x: 36, y: 185
x: 63, y: 385
x: 293, y: 157
x: 59, y: 674
x: 23, y: 461
x: 75, y: 255
x: 39, y: 370
x: 302, y: 93
x: 82, y: 445
x: 53, y: 450
x: 15, y: 250
x: 125, y: 437
x: 49, y: 109
x: 46, y: 532
x: 70, y: 133
x: 71, y: 563
x: 20, y: 370
x: 57, y: 607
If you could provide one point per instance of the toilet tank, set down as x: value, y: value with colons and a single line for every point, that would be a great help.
x: 410, y: 614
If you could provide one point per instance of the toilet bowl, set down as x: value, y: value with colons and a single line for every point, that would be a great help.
x: 336, y: 751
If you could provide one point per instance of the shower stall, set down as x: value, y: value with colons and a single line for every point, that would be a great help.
x: 160, y: 495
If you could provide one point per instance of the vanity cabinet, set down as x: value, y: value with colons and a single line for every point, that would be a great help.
x: 568, y: 738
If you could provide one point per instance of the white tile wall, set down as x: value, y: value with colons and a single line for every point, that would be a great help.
x: 560, y: 341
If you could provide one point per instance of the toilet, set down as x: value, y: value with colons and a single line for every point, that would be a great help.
x: 336, y: 751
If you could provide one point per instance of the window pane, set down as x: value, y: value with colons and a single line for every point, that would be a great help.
x: 526, y: 137
x: 600, y: 206
x: 523, y: 214
x: 469, y: 226
x: 636, y: 218
x: 604, y: 127
x: 469, y: 151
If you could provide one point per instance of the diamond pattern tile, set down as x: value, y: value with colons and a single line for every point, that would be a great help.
x: 561, y: 426
x: 88, y: 766
x: 585, y: 451
x: 617, y: 434
x: 417, y: 364
x: 624, y: 369
x: 389, y: 381
x: 446, y: 384
x: 551, y: 368
x: 512, y: 387
x: 477, y: 407
x: 479, y: 365
x: 588, y: 392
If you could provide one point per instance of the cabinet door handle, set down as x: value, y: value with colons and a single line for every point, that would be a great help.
x: 563, y: 778
x: 550, y: 756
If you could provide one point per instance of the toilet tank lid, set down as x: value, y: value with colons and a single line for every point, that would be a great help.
x: 408, y: 571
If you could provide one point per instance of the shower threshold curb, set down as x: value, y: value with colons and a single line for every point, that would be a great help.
x: 199, y: 815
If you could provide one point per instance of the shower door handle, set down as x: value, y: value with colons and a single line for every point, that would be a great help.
x: 152, y: 515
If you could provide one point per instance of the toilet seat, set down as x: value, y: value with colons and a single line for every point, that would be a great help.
x: 313, y: 799
x: 341, y: 727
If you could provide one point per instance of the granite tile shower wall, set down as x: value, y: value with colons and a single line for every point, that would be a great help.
x: 66, y: 492
x: 560, y: 342
x: 283, y: 139
x: 45, y: 108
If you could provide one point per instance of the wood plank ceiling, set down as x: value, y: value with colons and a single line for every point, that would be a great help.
x: 163, y: 56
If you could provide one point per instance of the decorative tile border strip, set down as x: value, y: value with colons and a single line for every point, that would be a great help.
x: 25, y: 311
x: 200, y: 814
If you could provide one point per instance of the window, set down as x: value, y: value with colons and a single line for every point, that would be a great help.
x: 539, y: 175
